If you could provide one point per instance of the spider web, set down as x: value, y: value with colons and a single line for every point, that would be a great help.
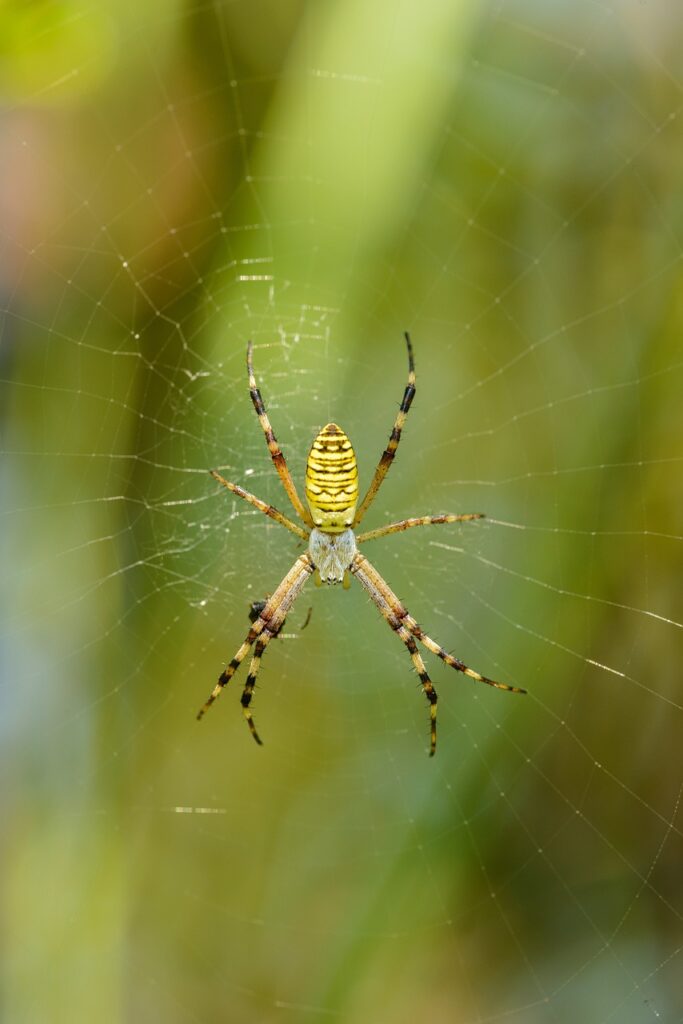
x: 503, y: 181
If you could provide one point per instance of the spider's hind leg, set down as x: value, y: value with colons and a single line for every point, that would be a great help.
x: 389, y: 452
x: 273, y: 447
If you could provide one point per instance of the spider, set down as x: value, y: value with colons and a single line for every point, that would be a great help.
x: 333, y: 513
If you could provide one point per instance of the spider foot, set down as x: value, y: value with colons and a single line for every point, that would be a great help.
x: 205, y: 707
x: 489, y: 682
x: 252, y: 727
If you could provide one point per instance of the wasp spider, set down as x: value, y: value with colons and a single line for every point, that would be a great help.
x: 330, y: 520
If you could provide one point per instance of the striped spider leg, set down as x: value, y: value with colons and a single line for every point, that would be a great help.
x: 384, y: 464
x: 407, y: 629
x: 267, y: 625
x: 273, y: 446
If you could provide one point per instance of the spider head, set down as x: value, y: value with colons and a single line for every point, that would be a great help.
x: 332, y: 554
x: 332, y: 480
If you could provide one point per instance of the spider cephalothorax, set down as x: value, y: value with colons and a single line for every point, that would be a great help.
x: 333, y: 556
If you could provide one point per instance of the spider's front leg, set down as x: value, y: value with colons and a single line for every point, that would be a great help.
x: 393, y: 612
x: 266, y: 626
x: 396, y: 614
x: 227, y: 673
x: 248, y: 691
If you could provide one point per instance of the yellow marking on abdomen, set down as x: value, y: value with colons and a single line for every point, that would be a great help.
x: 332, y: 480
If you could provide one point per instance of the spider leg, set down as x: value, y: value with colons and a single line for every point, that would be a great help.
x: 272, y: 630
x: 269, y: 622
x: 425, y: 681
x: 227, y: 674
x: 273, y: 446
x: 455, y: 663
x: 269, y: 633
x: 405, y: 524
x: 262, y: 506
x: 390, y: 450
x: 380, y: 590
x: 248, y: 691
x: 391, y: 613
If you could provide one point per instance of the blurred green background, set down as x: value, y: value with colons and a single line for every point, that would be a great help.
x: 503, y: 180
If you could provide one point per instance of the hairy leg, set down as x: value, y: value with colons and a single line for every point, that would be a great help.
x: 268, y: 623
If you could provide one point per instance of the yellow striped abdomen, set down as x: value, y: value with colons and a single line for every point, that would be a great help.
x: 332, y: 480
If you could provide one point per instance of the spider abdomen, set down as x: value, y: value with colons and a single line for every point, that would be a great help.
x: 332, y: 480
